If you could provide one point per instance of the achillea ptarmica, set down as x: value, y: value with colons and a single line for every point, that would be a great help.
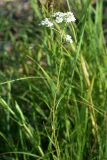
x: 69, y: 38
x: 59, y: 17
x: 64, y: 17
x: 46, y: 22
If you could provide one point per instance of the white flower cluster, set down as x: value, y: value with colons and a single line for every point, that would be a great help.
x: 69, y: 38
x: 64, y: 17
x: 60, y: 17
x: 46, y: 22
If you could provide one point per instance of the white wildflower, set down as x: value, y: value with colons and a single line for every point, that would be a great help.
x: 69, y: 17
x: 66, y: 17
x: 58, y: 14
x: 69, y: 39
x: 46, y: 22
x: 59, y: 19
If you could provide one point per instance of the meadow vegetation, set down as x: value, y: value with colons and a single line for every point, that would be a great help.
x: 53, y: 94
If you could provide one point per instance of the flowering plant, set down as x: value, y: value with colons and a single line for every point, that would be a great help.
x: 60, y: 17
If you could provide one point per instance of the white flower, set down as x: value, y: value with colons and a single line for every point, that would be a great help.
x: 59, y: 19
x: 69, y: 38
x: 46, y: 22
x: 69, y: 17
x: 58, y: 14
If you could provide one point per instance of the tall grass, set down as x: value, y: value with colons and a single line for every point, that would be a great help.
x: 53, y: 94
